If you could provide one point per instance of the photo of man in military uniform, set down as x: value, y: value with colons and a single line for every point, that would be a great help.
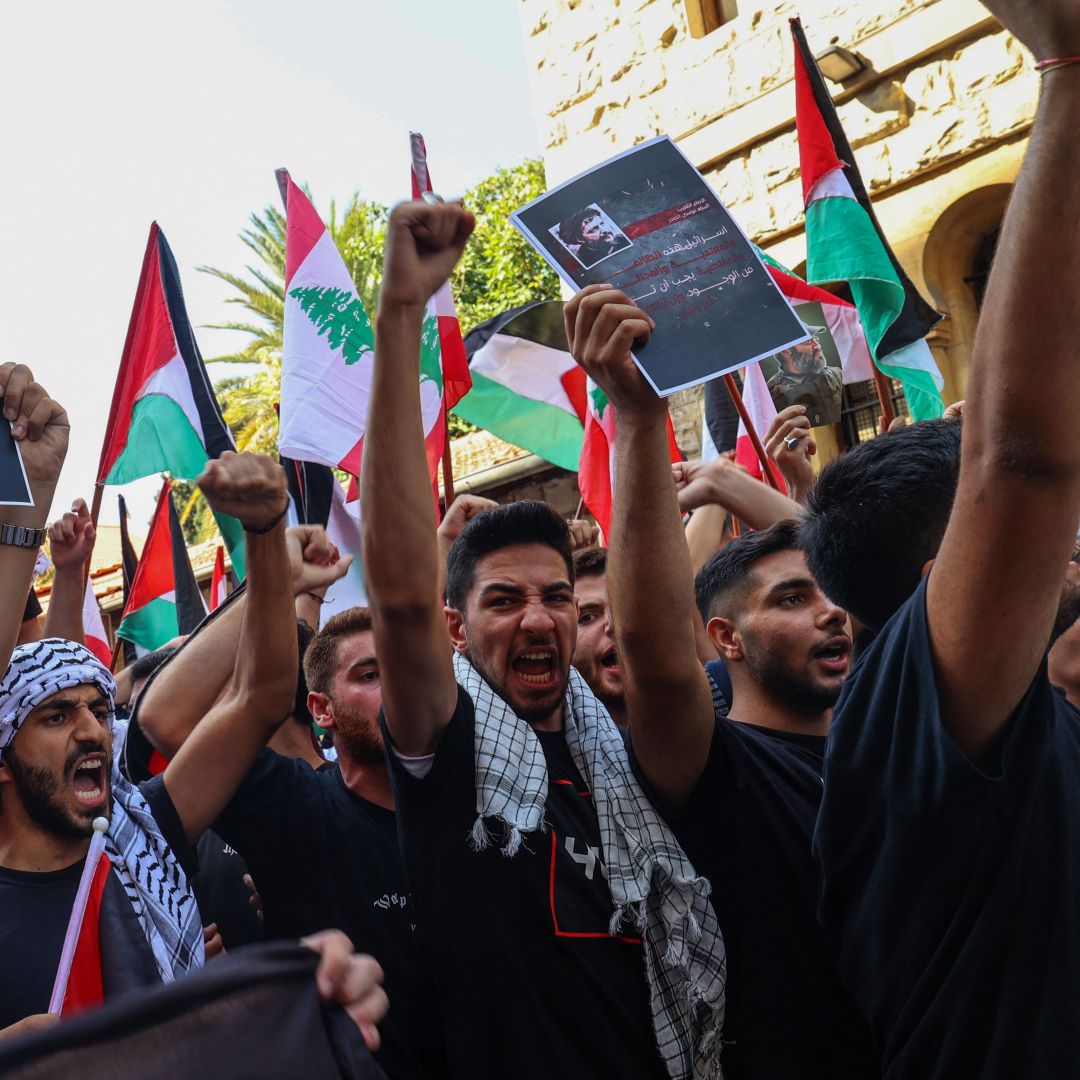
x: 809, y: 373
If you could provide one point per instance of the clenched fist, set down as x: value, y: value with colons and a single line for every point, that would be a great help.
x: 248, y: 487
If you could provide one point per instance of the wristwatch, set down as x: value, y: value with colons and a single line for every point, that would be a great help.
x: 21, y: 536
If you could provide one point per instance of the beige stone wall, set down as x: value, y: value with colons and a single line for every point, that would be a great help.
x: 941, y: 116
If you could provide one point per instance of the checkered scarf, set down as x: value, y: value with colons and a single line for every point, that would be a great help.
x: 152, y: 877
x: 653, y: 885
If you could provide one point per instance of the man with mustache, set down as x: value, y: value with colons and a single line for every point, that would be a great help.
x: 740, y: 789
x: 805, y: 378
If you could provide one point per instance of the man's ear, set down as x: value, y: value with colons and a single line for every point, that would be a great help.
x: 925, y: 568
x: 320, y: 709
x: 455, y: 623
x: 725, y: 638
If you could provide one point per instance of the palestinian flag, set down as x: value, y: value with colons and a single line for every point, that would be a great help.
x: 94, y: 633
x: 596, y: 470
x: 164, y: 600
x: 762, y: 412
x: 85, y: 985
x: 526, y: 388
x: 164, y: 416
x: 453, y: 361
x: 219, y: 587
x: 845, y: 243
x: 318, y: 499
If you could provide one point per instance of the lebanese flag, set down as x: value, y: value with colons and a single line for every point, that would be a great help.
x: 453, y: 361
x: 596, y: 470
x: 164, y: 416
x: 219, y: 588
x: 85, y: 986
x: 762, y: 412
x: 94, y: 634
x: 164, y: 599
x: 526, y: 387
x: 844, y: 242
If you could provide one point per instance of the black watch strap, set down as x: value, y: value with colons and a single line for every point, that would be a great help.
x: 21, y: 536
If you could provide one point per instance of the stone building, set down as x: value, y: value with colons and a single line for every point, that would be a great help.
x: 938, y: 118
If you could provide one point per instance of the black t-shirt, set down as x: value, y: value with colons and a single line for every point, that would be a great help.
x: 223, y: 897
x: 34, y: 913
x: 954, y: 891
x: 322, y: 857
x: 748, y: 829
x: 532, y: 985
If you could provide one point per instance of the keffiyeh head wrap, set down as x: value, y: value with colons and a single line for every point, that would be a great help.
x: 653, y: 885
x: 152, y: 877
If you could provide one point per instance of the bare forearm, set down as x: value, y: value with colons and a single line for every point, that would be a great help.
x: 705, y: 534
x: 64, y: 617
x: 650, y: 574
x: 17, y: 568
x: 400, y: 550
x: 758, y: 504
x: 186, y: 688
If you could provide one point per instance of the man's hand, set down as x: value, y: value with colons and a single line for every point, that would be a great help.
x: 793, y: 461
x: 351, y: 981
x: 213, y: 945
x: 696, y: 481
x: 602, y: 325
x: 39, y: 425
x: 1049, y: 28
x: 462, y: 510
x: 314, y: 562
x: 28, y: 1025
x: 423, y: 244
x: 248, y: 487
x: 955, y: 410
x: 71, y: 538
x: 583, y: 534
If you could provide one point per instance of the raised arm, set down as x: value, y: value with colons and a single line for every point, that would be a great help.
x: 401, y: 555
x: 650, y: 580
x: 71, y: 540
x: 991, y: 603
x: 184, y: 690
x: 208, y: 768
x: 40, y: 427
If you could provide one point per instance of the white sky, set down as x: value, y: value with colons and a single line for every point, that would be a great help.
x: 118, y: 113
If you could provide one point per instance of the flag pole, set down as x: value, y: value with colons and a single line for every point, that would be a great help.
x: 736, y: 398
x: 447, y: 473
x: 884, y: 393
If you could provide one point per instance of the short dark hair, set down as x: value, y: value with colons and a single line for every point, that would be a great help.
x: 570, y: 227
x: 723, y: 582
x: 592, y: 562
x: 145, y: 666
x: 878, y: 514
x: 304, y: 636
x: 524, y: 522
x: 320, y: 659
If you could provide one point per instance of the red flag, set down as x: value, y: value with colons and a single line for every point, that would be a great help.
x: 218, y: 587
x: 84, y: 987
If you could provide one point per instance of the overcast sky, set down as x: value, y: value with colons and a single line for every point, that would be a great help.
x: 118, y: 113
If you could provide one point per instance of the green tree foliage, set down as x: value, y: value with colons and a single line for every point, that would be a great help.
x: 196, y: 520
x: 499, y: 270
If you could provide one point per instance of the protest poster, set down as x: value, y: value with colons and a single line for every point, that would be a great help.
x: 14, y: 487
x: 809, y: 373
x: 646, y: 222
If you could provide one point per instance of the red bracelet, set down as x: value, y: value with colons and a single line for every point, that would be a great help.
x: 1042, y: 66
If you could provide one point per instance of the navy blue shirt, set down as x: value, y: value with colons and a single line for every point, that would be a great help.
x: 953, y: 890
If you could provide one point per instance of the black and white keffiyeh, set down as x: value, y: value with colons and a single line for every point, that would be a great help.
x: 653, y: 885
x: 152, y: 877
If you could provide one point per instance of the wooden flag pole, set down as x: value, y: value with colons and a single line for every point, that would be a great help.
x: 740, y: 407
x: 447, y: 473
x: 884, y: 393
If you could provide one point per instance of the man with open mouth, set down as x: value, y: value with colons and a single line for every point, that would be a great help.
x: 740, y: 788
x: 595, y: 655
x: 547, y: 887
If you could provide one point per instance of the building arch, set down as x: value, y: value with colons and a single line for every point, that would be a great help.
x: 956, y: 259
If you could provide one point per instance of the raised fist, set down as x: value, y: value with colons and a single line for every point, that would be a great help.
x: 248, y: 487
x: 38, y: 423
x: 71, y: 538
x: 314, y: 562
x: 423, y: 244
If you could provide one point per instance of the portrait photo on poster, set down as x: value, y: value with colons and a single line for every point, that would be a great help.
x: 647, y: 223
x: 14, y: 487
x: 809, y: 373
x: 590, y: 235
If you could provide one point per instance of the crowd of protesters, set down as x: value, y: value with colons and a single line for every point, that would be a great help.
x: 798, y: 803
